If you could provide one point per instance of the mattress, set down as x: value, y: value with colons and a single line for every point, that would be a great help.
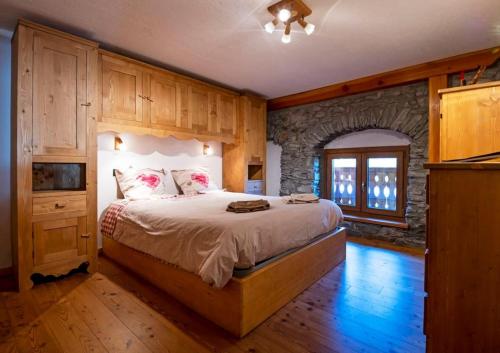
x: 197, y: 234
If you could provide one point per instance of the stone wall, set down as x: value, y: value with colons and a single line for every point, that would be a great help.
x: 303, y: 131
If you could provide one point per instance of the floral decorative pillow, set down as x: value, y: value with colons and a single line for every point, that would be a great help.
x: 142, y: 183
x: 193, y: 181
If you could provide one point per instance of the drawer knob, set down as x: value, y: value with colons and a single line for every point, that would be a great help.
x: 59, y: 205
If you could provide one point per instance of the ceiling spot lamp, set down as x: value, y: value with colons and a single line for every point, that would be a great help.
x: 287, y: 12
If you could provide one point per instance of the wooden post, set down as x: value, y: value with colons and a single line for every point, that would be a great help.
x: 435, y: 84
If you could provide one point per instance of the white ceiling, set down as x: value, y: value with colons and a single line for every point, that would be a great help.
x: 224, y: 40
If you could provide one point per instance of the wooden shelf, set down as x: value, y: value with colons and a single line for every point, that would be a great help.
x: 181, y: 135
x: 379, y: 221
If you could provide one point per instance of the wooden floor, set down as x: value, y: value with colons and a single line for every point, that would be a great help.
x: 372, y: 303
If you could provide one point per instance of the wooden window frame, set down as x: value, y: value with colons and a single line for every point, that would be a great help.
x: 362, y: 154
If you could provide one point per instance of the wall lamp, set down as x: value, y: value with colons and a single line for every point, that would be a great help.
x: 207, y: 150
x: 119, y: 145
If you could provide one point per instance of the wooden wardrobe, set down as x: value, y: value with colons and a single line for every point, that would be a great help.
x: 245, y: 161
x: 65, y: 91
x: 462, y: 272
x: 54, y: 152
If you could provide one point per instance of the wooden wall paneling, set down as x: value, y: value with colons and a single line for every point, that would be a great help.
x: 22, y: 127
x: 435, y: 83
x: 59, y: 97
x: 470, y: 120
x: 122, y: 96
x: 161, y: 97
x: 392, y: 78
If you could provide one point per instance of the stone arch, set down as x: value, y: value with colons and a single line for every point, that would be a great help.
x: 304, y: 131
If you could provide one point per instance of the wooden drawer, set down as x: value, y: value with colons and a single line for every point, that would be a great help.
x: 255, y: 187
x: 54, y: 205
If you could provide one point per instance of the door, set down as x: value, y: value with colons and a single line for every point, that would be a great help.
x: 122, y: 98
x: 201, y: 109
x: 60, y: 241
x: 256, y: 130
x: 227, y: 114
x: 160, y: 92
x: 183, y: 100
x: 59, y: 96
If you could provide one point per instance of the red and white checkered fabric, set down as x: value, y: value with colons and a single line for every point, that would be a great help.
x: 108, y: 224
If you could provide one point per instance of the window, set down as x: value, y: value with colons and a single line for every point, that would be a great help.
x: 369, y: 181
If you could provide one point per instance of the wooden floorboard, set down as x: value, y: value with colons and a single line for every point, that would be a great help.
x: 372, y: 303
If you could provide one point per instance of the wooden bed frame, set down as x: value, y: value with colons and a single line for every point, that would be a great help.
x: 245, y: 302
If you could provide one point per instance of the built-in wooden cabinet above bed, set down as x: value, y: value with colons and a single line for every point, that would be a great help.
x: 141, y: 98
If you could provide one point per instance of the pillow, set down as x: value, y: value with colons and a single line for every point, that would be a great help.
x: 193, y: 181
x: 141, y: 183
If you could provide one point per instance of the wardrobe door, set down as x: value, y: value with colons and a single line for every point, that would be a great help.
x: 58, y: 242
x: 59, y: 96
x: 227, y: 114
x: 199, y: 109
x: 122, y: 98
x: 161, y: 97
x: 256, y: 130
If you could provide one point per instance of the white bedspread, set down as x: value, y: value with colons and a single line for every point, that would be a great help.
x: 198, y: 235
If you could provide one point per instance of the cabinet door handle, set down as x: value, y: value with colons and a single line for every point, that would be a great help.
x: 86, y: 104
x: 85, y: 235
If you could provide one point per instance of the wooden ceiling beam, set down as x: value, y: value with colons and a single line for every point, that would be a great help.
x: 391, y: 78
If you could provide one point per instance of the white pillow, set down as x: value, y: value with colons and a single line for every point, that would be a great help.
x: 142, y: 183
x: 193, y: 181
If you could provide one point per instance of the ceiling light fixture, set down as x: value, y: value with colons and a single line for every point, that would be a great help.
x: 284, y: 15
x: 287, y: 38
x: 308, y: 27
x: 287, y: 12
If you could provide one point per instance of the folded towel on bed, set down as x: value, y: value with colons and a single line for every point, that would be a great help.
x: 301, y: 198
x: 248, y: 206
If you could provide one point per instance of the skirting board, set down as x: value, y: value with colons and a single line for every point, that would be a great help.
x: 6, y: 271
x: 245, y: 302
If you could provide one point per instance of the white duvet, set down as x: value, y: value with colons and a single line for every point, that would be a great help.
x: 199, y: 235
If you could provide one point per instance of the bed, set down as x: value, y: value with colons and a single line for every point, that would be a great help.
x: 234, y: 269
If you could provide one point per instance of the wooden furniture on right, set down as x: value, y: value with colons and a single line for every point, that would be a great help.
x: 245, y: 302
x: 462, y: 272
x: 470, y: 121
x: 244, y: 163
